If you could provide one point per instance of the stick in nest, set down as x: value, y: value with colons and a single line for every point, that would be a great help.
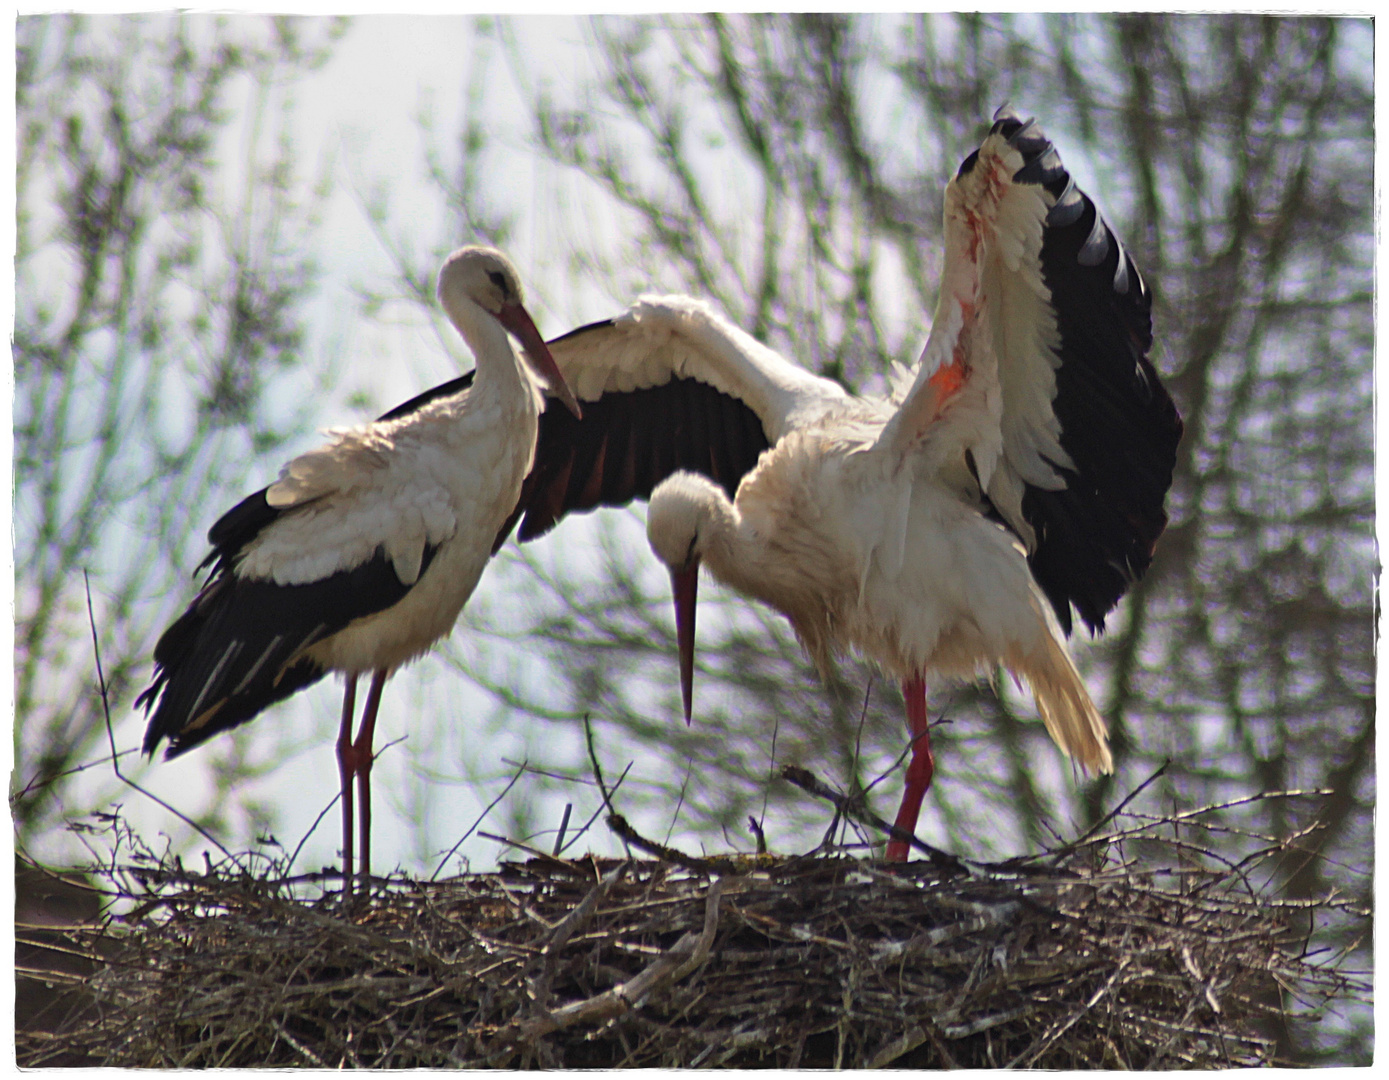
x: 682, y: 958
x: 717, y: 867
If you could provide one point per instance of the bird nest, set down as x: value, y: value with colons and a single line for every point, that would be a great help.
x: 1118, y: 952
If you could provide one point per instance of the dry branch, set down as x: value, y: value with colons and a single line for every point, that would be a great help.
x: 1078, y: 958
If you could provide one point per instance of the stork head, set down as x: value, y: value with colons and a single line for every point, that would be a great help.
x: 688, y: 513
x: 482, y: 277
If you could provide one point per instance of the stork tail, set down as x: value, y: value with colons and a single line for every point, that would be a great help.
x: 1065, y: 705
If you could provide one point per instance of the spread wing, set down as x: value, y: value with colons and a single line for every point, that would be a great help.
x: 666, y: 386
x: 1037, y: 369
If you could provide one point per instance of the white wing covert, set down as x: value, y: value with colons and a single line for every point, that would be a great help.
x: 660, y: 338
x: 345, y: 506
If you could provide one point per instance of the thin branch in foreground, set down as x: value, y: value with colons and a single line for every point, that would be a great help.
x: 593, y: 760
x: 111, y: 738
x: 594, y: 816
x: 858, y: 749
x: 39, y: 781
x: 311, y: 830
x: 480, y: 818
x: 1088, y: 833
x: 854, y: 809
x: 684, y: 786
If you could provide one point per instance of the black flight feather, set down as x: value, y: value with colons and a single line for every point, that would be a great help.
x: 1096, y: 537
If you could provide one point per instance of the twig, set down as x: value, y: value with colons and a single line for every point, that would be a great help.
x: 759, y: 834
x: 1027, y: 1057
x: 593, y: 760
x: 767, y: 787
x: 594, y: 816
x: 563, y: 825
x: 555, y: 938
x: 1078, y: 841
x: 684, y: 784
x: 312, y: 829
x: 674, y: 964
x: 535, y: 852
x: 300, y: 1047
x: 487, y: 810
x: 853, y: 766
x: 619, y: 825
x: 853, y: 808
x: 111, y: 738
x: 39, y: 781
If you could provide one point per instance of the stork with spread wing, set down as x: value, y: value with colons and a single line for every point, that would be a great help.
x: 949, y: 528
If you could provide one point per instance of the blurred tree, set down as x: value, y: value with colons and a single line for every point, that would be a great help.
x: 791, y: 168
x: 160, y: 281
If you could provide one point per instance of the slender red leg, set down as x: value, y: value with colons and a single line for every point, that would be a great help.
x: 347, y: 766
x: 362, y: 752
x: 921, y: 768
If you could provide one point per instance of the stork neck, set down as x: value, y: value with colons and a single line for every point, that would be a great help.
x: 500, y: 369
x: 728, y: 549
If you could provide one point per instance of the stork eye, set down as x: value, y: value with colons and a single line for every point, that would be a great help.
x: 499, y: 280
x: 690, y: 554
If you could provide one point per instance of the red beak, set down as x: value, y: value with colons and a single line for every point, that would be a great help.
x: 518, y: 321
x: 685, y: 584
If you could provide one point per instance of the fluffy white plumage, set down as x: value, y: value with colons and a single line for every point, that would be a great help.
x: 446, y: 477
x: 864, y: 523
x: 660, y: 338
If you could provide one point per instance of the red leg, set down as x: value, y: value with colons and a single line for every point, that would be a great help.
x: 362, y: 751
x: 919, y: 771
x: 347, y: 766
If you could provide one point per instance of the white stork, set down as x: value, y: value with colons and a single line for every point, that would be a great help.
x: 364, y: 551
x: 945, y: 529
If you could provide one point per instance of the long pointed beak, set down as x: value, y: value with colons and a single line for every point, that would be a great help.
x: 685, y: 584
x: 518, y: 321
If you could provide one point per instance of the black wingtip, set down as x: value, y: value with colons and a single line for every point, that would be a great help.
x: 1005, y: 113
x: 1044, y: 168
x: 1118, y: 423
x: 1069, y: 207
